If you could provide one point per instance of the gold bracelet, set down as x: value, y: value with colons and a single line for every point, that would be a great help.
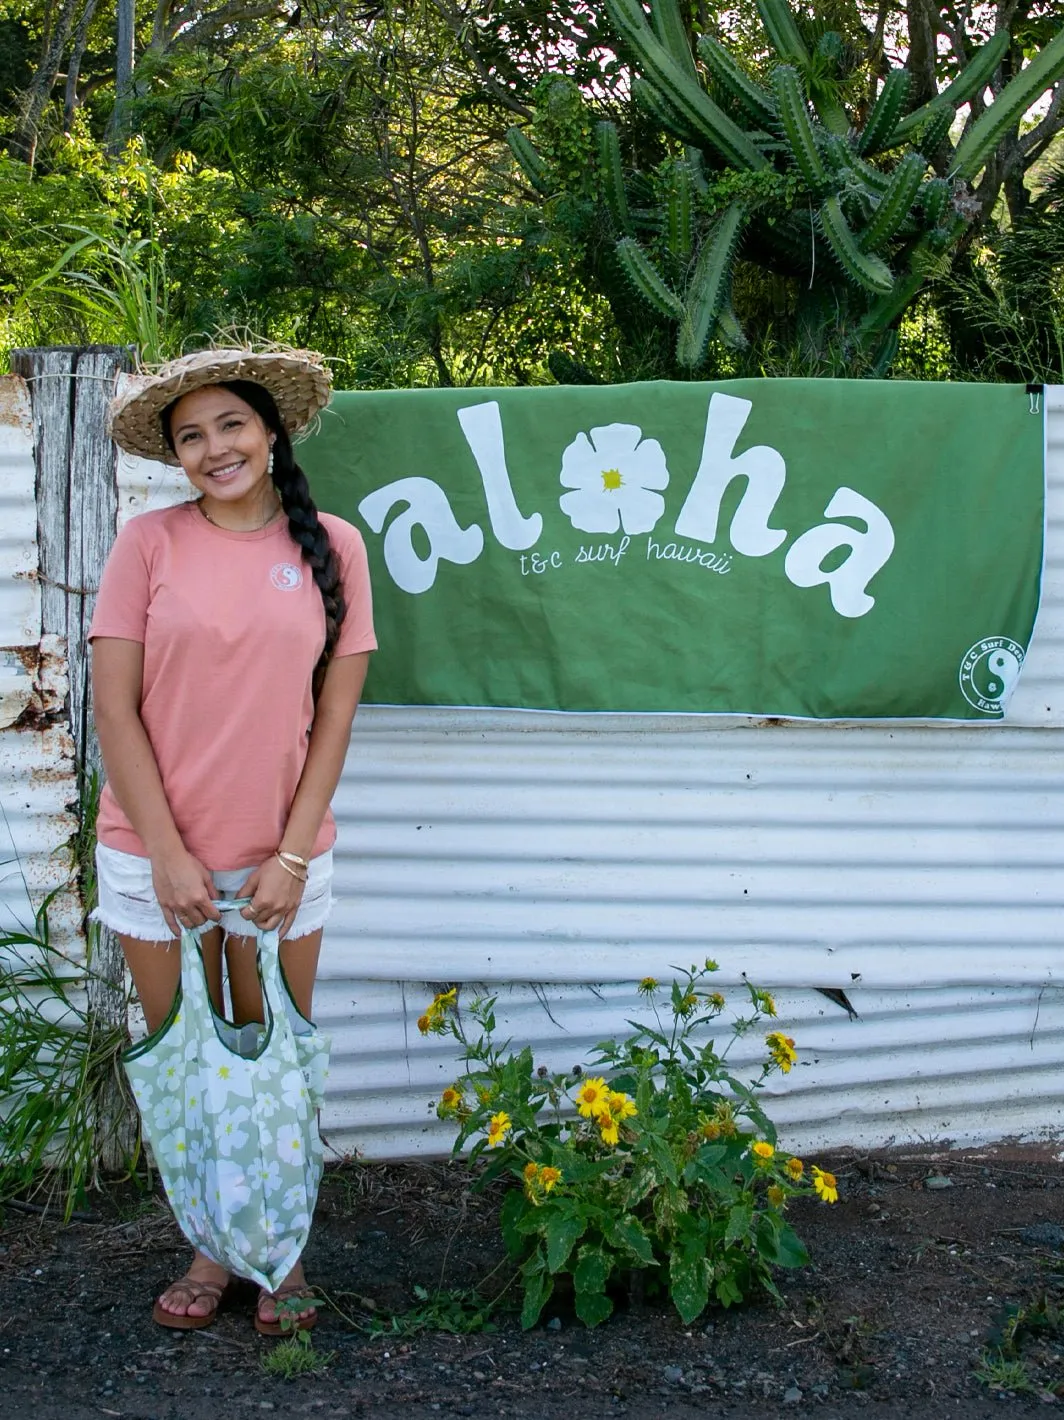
x: 300, y: 876
x: 293, y: 858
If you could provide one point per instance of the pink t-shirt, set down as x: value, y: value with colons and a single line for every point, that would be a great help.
x: 232, y: 626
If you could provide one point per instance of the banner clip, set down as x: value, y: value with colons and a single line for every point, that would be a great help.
x: 1035, y: 392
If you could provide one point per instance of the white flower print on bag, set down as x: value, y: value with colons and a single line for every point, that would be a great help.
x: 235, y: 1137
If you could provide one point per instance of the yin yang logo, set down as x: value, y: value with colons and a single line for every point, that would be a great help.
x: 286, y: 577
x: 989, y: 672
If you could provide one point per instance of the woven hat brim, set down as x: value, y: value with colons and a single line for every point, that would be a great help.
x: 299, y: 384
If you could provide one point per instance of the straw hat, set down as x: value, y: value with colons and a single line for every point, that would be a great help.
x: 297, y: 379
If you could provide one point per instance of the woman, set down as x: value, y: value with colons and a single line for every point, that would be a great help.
x: 230, y: 639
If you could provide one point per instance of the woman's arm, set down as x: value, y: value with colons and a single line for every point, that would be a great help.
x: 182, y: 884
x: 275, y: 893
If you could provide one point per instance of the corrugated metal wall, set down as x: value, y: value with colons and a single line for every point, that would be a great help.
x: 38, y: 788
x: 913, y: 867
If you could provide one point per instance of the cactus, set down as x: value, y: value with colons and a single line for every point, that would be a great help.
x: 612, y: 174
x: 679, y: 230
x: 782, y: 30
x: 865, y: 270
x: 527, y: 159
x: 684, y: 95
x: 934, y: 199
x: 733, y: 81
x: 1008, y: 108
x: 646, y: 279
x: 652, y: 103
x: 895, y: 204
x: 708, y: 288
x: 668, y: 26
x: 976, y: 74
x: 886, y: 111
x: 780, y: 26
x: 790, y: 175
x: 935, y: 131
x: 794, y: 116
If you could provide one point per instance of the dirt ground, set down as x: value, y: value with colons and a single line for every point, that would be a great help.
x: 928, y: 1264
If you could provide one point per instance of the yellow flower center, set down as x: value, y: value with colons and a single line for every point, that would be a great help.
x: 611, y: 480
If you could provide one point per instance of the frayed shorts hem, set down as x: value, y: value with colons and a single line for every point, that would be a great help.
x: 127, y: 903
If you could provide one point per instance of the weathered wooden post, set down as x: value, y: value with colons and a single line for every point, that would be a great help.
x: 77, y: 503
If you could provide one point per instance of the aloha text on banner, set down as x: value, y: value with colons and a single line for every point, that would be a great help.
x: 828, y: 549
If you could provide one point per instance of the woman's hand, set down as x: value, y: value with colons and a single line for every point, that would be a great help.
x: 275, y: 897
x: 185, y: 890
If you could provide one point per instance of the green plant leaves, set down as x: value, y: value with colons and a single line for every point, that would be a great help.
x: 562, y: 1232
x: 539, y: 1285
x: 689, y: 1279
x: 589, y: 1279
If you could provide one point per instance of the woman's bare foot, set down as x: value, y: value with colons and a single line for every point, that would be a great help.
x: 195, y: 1296
x: 281, y: 1311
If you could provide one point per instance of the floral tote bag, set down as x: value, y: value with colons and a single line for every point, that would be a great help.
x: 230, y: 1113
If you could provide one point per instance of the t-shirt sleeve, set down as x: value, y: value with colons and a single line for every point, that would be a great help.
x: 122, y: 601
x: 356, y: 632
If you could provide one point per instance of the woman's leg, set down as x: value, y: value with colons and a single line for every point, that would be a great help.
x: 299, y: 958
x: 156, y: 971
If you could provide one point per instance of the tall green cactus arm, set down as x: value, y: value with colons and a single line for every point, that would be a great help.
x: 935, y: 130
x: 668, y: 26
x: 708, y: 288
x: 872, y: 177
x: 698, y: 176
x: 678, y: 232
x: 646, y: 280
x: 706, y: 119
x: 863, y: 269
x: 781, y: 28
x: 794, y: 116
x: 895, y: 203
x: 661, y: 111
x: 528, y: 160
x: 886, y: 111
x: 975, y: 76
x: 1009, y: 107
x: 729, y: 329
x: 612, y: 174
x: 735, y: 82
x: 933, y: 198
x: 889, y: 307
x: 778, y: 20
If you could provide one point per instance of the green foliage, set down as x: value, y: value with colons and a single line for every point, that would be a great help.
x: 1008, y: 108
x: 455, y: 1311
x: 296, y: 1356
x: 666, y: 1162
x: 53, y: 1059
x: 800, y: 163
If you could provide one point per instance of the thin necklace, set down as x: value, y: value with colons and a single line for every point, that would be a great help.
x: 258, y: 527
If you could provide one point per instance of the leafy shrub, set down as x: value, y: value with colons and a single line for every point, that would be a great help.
x: 664, y: 1161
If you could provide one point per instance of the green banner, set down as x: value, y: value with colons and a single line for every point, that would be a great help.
x: 812, y: 548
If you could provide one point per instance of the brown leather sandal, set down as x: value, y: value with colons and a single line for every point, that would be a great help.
x: 195, y: 1290
x: 294, y: 1292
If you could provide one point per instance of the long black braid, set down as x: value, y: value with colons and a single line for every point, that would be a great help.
x: 303, y: 522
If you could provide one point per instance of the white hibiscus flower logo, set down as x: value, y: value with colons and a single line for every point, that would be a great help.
x: 613, y: 471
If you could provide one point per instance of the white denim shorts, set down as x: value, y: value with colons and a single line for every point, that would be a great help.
x: 127, y: 901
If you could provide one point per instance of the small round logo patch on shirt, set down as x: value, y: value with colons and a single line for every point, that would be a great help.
x: 286, y: 577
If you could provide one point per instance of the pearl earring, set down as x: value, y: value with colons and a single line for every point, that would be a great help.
x: 269, y: 463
